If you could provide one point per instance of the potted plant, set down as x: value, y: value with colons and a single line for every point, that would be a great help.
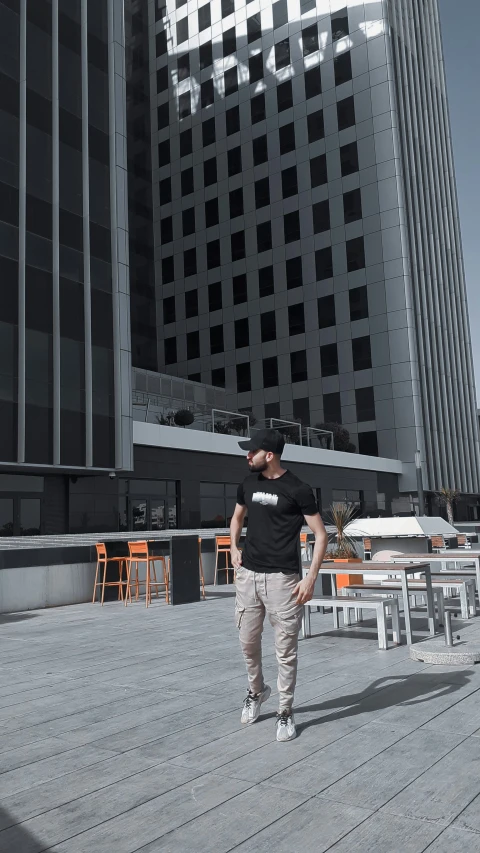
x: 448, y: 497
x: 184, y: 417
x: 340, y: 515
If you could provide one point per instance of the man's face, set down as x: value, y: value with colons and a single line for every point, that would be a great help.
x: 258, y: 461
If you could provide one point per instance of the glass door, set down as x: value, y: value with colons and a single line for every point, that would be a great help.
x: 138, y: 514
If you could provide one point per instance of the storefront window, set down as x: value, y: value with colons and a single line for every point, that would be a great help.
x: 217, y: 503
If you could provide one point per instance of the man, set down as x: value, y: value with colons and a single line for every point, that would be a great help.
x: 267, y: 572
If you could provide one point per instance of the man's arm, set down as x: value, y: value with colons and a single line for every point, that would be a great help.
x: 304, y: 589
x: 236, y: 526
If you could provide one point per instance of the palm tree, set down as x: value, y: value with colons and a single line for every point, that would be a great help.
x: 448, y: 497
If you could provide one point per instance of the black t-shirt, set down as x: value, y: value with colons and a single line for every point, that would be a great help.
x: 276, y: 509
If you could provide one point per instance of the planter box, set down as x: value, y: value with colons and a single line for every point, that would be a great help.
x: 346, y: 580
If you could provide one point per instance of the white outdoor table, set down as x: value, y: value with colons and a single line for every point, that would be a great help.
x: 456, y: 557
x: 404, y: 570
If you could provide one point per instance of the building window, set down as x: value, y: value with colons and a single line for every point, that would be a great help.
x: 361, y: 353
x: 215, y: 296
x: 349, y: 159
x: 169, y: 310
x: 163, y: 116
x: 262, y: 193
x: 326, y: 311
x: 234, y: 159
x: 352, y: 206
x: 186, y: 180
x: 216, y: 339
x: 237, y: 245
x: 301, y: 410
x: 298, y: 366
x: 236, y: 203
x: 332, y: 409
x: 284, y: 96
x: 318, y: 170
x: 315, y: 126
x: 239, y: 286
x: 210, y: 171
x: 257, y: 108
x: 329, y: 360
x: 260, y: 150
x: 170, y: 350
x: 342, y: 67
x: 207, y: 93
x: 218, y: 377
x: 323, y: 263
x: 166, y: 230
x: 232, y: 120
x: 165, y: 191
x: 188, y: 221
x: 186, y: 143
x: 168, y: 273
x: 211, y: 212
x: 346, y: 113
x: 321, y: 217
x: 193, y: 345
x: 313, y: 82
x: 365, y: 403
x: 264, y: 237
x: 270, y: 372
x: 255, y: 68
x: 244, y: 382
x: 355, y: 254
x: 204, y: 17
x: 206, y: 55
x: 310, y: 40
x: 191, y: 303
x: 189, y: 262
x: 217, y: 503
x: 294, y: 273
x: 291, y: 226
x: 289, y: 182
x: 228, y: 8
x: 296, y: 319
x: 164, y: 153
x: 272, y: 410
x: 182, y: 30
x: 280, y: 14
x: 287, y: 138
x: 340, y: 24
x: 162, y: 79
x: 208, y: 132
x: 242, y: 336
x: 229, y: 42
x: 254, y: 28
x: 282, y: 54
x: 213, y: 254
x: 268, y: 326
x: 230, y: 80
x: 358, y: 299
x: 161, y: 43
x: 266, y: 282
x: 183, y: 67
x: 367, y: 443
x: 184, y: 105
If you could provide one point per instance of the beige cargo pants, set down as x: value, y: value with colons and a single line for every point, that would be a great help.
x: 259, y: 593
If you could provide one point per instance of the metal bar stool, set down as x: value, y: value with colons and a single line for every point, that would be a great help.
x: 102, y: 562
x: 138, y: 554
x: 200, y: 566
x: 223, y: 546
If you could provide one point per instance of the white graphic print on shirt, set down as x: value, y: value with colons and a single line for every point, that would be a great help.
x: 265, y: 498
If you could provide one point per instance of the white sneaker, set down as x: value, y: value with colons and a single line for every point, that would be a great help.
x: 252, y: 704
x: 286, y: 725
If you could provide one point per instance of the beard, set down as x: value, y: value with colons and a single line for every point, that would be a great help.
x: 258, y: 468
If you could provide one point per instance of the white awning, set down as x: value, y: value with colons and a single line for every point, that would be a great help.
x: 411, y: 525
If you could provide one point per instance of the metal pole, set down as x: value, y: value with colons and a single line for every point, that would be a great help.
x: 421, y: 498
x: 448, y: 628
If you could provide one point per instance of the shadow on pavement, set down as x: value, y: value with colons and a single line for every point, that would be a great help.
x: 15, y: 839
x: 388, y: 692
x: 9, y: 618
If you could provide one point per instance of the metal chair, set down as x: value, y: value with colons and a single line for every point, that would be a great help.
x: 102, y: 563
x: 139, y: 554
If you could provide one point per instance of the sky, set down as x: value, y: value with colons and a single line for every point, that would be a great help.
x: 460, y: 23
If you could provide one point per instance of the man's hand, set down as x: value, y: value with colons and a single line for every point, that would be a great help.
x: 236, y: 556
x: 304, y: 590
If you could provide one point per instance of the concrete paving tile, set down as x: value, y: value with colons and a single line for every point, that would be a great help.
x: 453, y: 839
x: 229, y: 824
x: 463, y: 717
x: 443, y: 791
x: 311, y: 827
x: 383, y: 832
x: 378, y: 780
x: 137, y: 827
x: 470, y: 817
x: 50, y: 768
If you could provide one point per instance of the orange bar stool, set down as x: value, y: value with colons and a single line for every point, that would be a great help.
x: 139, y: 555
x: 101, y: 573
x: 223, y: 546
x: 200, y: 566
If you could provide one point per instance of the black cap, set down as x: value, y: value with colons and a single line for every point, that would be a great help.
x: 265, y: 439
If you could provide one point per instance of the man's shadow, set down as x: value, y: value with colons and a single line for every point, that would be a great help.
x: 387, y: 692
x: 14, y: 838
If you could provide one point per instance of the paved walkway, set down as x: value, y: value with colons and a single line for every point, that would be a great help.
x: 119, y: 732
